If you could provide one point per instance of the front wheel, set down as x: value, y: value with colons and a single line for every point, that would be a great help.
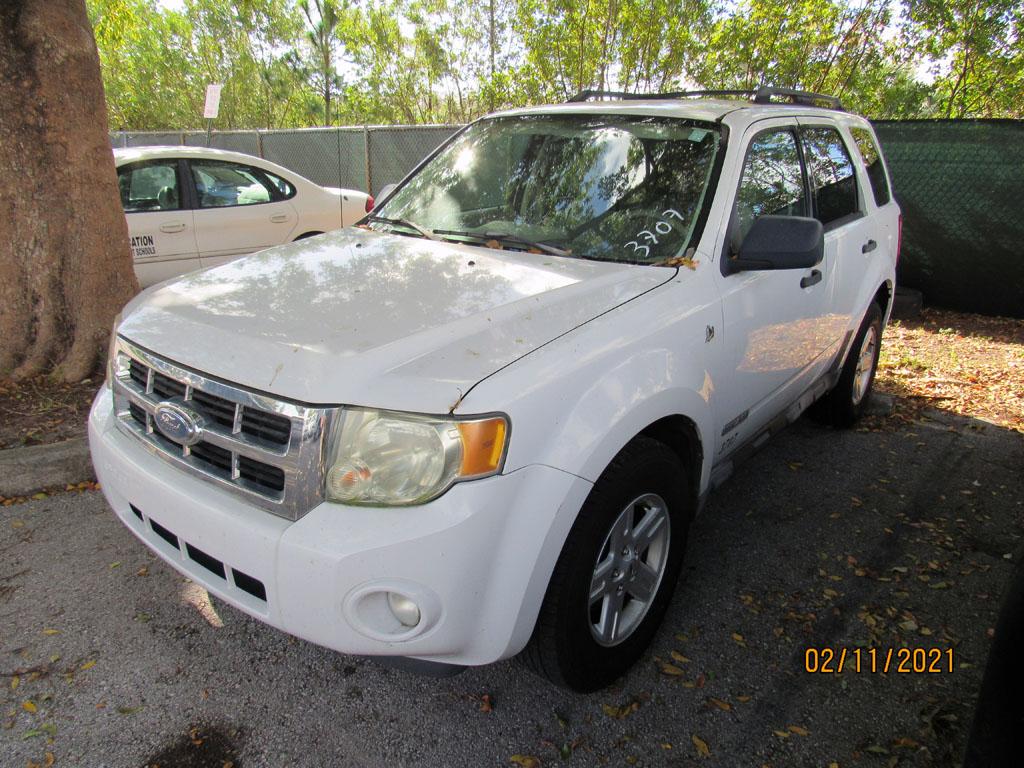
x: 617, y: 571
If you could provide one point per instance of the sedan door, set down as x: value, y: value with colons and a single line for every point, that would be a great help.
x: 160, y: 225
x: 777, y: 334
x: 239, y: 210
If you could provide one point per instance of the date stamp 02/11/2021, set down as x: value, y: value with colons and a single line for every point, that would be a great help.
x: 878, y: 660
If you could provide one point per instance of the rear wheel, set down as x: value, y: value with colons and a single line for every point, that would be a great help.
x: 842, y: 406
x: 617, y: 571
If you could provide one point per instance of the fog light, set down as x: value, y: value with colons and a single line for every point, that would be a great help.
x: 404, y: 609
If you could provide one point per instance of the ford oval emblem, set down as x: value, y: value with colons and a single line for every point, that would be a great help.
x: 178, y: 423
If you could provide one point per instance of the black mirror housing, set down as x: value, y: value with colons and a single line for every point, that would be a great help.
x: 780, y: 242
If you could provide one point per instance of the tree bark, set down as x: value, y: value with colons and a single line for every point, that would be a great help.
x: 65, y: 264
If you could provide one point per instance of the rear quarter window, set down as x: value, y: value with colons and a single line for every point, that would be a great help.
x: 872, y: 157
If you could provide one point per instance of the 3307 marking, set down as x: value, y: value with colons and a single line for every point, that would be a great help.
x: 929, y: 661
x: 661, y: 227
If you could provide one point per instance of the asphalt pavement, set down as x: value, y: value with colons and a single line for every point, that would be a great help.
x: 898, y: 538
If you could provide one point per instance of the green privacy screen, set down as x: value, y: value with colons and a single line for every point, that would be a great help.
x: 960, y: 184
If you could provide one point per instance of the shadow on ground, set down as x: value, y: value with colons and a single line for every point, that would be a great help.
x: 895, y: 536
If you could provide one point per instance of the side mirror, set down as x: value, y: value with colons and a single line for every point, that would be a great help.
x: 780, y: 242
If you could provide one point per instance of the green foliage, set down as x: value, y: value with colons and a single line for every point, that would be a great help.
x: 978, y: 52
x: 290, y: 63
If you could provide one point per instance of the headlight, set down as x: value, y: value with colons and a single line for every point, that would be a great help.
x: 391, y: 459
x: 114, y: 363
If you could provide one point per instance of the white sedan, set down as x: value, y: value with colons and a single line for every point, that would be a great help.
x: 192, y: 207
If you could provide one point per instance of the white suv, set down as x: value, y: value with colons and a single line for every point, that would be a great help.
x: 482, y: 421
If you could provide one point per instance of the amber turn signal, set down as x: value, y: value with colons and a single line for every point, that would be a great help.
x: 483, y: 443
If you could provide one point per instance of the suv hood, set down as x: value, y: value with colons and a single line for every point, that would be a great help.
x: 364, y: 318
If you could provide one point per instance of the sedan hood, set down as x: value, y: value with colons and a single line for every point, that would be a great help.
x: 363, y: 318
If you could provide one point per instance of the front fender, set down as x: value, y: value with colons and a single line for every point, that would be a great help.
x: 576, y: 402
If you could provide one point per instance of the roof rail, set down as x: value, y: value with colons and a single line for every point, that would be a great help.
x: 588, y: 94
x: 766, y: 94
x: 763, y: 95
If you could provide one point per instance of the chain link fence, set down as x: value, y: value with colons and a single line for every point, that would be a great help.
x: 960, y: 184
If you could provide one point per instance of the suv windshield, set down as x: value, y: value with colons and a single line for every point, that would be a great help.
x: 624, y: 188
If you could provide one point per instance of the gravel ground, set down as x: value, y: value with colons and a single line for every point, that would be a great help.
x: 903, y: 536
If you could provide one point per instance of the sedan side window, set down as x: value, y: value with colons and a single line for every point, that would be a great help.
x: 221, y: 184
x: 151, y: 186
x: 772, y: 181
x: 830, y: 170
x: 284, y: 186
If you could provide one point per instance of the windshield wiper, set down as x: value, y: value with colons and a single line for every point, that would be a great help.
x: 430, y: 235
x: 508, y: 238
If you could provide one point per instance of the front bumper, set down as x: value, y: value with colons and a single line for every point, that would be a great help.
x: 477, y: 560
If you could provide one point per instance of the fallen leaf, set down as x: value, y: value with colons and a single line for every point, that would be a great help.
x: 722, y: 705
x: 702, y: 746
x: 670, y: 669
x: 486, y: 705
x: 128, y: 710
x: 799, y: 731
x: 29, y: 706
x: 677, y: 656
x: 743, y: 699
x: 620, y: 712
x: 526, y: 761
x: 15, y: 682
x: 51, y: 631
x: 88, y: 665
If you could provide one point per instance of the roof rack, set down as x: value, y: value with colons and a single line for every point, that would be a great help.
x: 763, y: 95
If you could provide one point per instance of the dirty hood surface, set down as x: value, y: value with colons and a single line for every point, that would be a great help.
x: 364, y: 318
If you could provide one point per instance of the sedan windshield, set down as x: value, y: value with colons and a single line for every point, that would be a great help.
x: 614, y: 188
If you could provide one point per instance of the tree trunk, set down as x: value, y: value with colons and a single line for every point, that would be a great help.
x: 65, y: 265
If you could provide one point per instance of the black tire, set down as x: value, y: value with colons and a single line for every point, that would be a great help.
x: 845, y: 403
x: 563, y: 647
x: 304, y: 235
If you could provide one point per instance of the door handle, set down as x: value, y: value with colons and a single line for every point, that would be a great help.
x: 868, y: 247
x: 279, y: 218
x: 809, y: 280
x: 172, y: 226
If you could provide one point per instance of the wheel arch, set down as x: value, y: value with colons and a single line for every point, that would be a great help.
x: 883, y: 297
x: 680, y: 433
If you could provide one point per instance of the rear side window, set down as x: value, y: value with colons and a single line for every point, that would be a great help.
x: 830, y: 170
x: 772, y: 183
x: 220, y: 184
x: 283, y: 185
x: 872, y: 164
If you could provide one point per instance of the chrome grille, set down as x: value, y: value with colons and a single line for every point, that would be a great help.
x: 270, y: 451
